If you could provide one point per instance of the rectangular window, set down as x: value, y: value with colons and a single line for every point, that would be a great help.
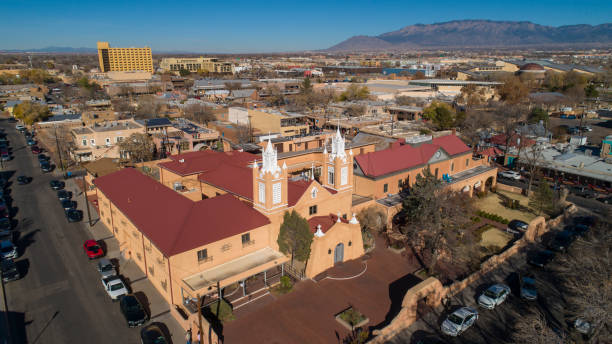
x: 344, y: 176
x: 330, y: 175
x: 84, y: 142
x: 118, y: 139
x: 436, y: 173
x: 93, y: 142
x: 467, y: 162
x: 452, y: 166
x: 202, y: 255
x: 262, y: 192
x: 246, y: 238
x: 312, y: 210
x: 385, y: 188
x: 108, y: 141
x: 399, y: 184
x: 276, y: 193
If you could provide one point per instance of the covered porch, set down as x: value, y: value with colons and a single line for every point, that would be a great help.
x: 246, y: 273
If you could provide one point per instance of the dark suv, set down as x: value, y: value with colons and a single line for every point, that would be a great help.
x: 562, y: 241
x: 132, y: 310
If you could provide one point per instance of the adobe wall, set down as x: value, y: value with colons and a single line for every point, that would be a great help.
x: 432, y: 289
x: 509, y: 188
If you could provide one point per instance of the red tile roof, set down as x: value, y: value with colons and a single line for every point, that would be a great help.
x: 295, y: 190
x: 405, y: 157
x: 500, y: 140
x: 201, y: 161
x: 236, y: 180
x: 326, y: 222
x: 171, y: 221
x: 451, y: 144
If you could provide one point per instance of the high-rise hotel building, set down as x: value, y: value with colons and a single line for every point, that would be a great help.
x: 124, y: 59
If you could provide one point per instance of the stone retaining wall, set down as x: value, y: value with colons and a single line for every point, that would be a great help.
x: 434, y: 292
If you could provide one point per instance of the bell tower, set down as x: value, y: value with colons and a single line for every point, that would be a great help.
x: 269, y: 183
x: 337, y: 165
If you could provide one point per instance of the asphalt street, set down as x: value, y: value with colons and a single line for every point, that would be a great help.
x: 60, y: 298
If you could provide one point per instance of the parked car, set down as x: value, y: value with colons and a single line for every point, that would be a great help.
x: 578, y: 230
x: 42, y: 157
x: 20, y: 127
x: 517, y: 226
x: 106, y: 268
x: 574, y: 131
x: 8, y: 249
x: 583, y: 326
x: 9, y: 270
x: 5, y: 224
x: 57, y: 185
x: 36, y: 150
x: 68, y: 204
x: 74, y: 215
x: 64, y: 195
x: 586, y: 128
x: 528, y: 288
x: 510, y: 175
x: 31, y: 142
x: 583, y: 191
x: 133, y: 311
x: 46, y: 166
x: 22, y: 180
x: 153, y: 334
x: 562, y: 241
x: 494, y: 295
x: 5, y: 157
x: 540, y: 258
x: 6, y: 235
x: 459, y: 321
x: 605, y: 200
x: 92, y: 249
x: 114, y: 286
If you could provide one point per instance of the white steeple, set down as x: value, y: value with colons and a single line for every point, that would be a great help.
x: 270, y: 163
x: 337, y: 147
x: 354, y: 220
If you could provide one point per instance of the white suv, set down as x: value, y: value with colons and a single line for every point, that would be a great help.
x: 510, y: 175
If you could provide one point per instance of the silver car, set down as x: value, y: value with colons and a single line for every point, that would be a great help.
x: 459, y: 321
x: 106, y: 268
x: 494, y: 296
x: 528, y: 288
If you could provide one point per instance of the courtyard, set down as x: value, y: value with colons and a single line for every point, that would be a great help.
x: 374, y: 285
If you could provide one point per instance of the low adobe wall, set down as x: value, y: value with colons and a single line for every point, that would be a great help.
x: 434, y: 292
x: 509, y: 188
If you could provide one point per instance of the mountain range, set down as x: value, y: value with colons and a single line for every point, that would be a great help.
x: 481, y: 34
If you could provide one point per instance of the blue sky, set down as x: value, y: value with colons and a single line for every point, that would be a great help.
x: 256, y: 26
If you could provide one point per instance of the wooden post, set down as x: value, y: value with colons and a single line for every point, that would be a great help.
x: 200, y: 303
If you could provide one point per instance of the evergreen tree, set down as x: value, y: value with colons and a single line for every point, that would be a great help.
x: 295, y: 237
x: 543, y: 198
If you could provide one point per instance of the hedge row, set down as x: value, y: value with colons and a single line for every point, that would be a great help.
x: 493, y: 217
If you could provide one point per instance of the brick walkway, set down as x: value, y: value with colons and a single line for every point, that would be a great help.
x: 306, y: 315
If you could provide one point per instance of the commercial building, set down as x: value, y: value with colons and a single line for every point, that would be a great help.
x: 195, y: 64
x: 100, y: 140
x: 383, y: 174
x: 270, y: 121
x: 124, y: 59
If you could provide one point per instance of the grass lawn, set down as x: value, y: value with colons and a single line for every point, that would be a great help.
x: 495, y: 237
x: 492, y: 203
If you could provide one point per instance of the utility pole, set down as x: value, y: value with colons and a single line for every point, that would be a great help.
x: 59, y: 153
x: 86, y: 201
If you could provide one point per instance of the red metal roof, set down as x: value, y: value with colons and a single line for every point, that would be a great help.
x: 404, y: 157
x: 237, y: 180
x: 326, y: 222
x: 196, y: 162
x: 171, y: 221
x: 295, y: 190
x: 500, y: 140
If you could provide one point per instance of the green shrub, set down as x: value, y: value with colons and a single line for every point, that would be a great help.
x: 223, y: 312
x: 285, y: 283
x: 492, y: 217
x: 352, y: 316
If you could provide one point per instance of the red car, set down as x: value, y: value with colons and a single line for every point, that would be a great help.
x: 92, y: 249
x: 36, y: 150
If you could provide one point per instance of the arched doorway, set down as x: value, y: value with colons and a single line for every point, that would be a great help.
x: 489, y: 183
x: 339, y: 253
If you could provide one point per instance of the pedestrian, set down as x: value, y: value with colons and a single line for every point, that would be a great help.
x: 188, y: 336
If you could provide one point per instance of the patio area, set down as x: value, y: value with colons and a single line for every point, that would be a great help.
x: 374, y: 285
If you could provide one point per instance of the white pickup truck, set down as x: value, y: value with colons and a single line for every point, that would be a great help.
x: 115, y: 287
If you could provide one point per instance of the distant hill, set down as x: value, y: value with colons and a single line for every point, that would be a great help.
x: 480, y: 34
x: 64, y: 50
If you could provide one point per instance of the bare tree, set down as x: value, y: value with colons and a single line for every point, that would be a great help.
x: 533, y: 328
x: 148, y: 107
x: 233, y: 85
x: 532, y: 157
x: 200, y: 113
x: 585, y: 278
x: 137, y: 147
x: 355, y: 110
x: 508, y: 118
x: 244, y: 133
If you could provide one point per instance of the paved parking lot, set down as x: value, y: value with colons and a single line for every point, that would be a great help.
x: 492, y: 326
x: 60, y: 298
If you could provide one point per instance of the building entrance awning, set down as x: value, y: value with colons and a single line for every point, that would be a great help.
x: 237, y: 269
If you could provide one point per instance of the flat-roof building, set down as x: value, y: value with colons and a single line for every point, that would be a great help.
x: 124, y: 59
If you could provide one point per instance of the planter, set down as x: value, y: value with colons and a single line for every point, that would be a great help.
x: 351, y: 312
x: 396, y: 250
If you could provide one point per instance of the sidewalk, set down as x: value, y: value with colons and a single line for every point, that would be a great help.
x: 137, y: 281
